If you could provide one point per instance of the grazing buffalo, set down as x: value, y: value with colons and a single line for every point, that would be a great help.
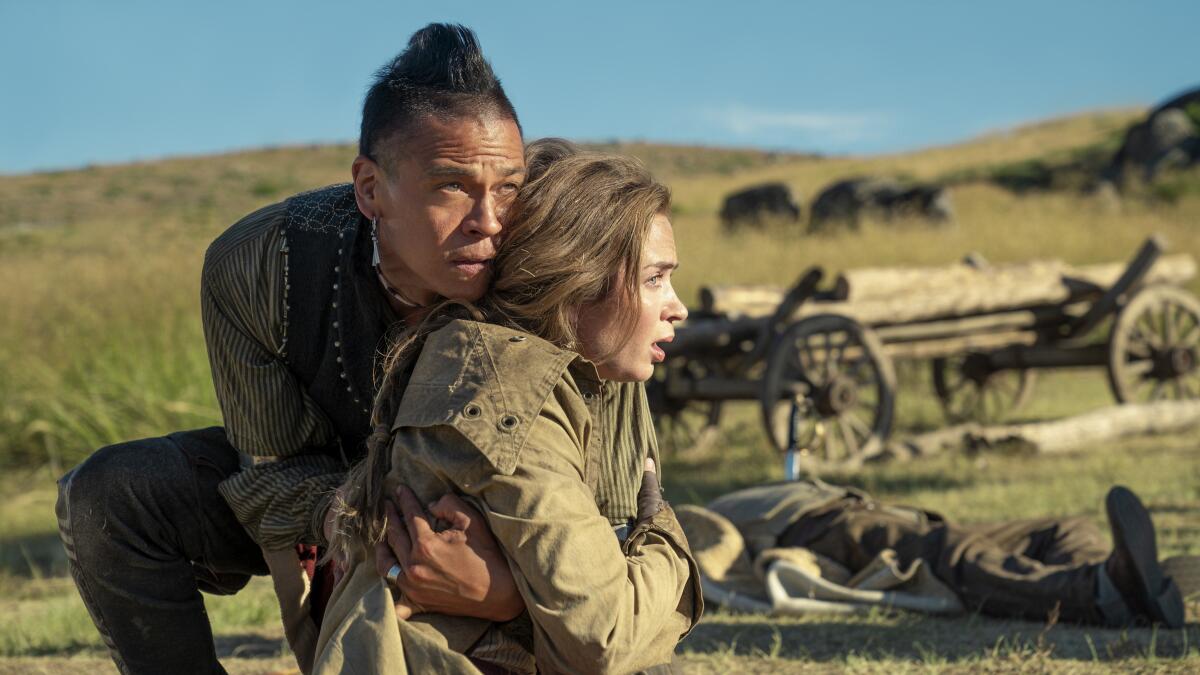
x: 847, y: 201
x: 1169, y: 136
x: 754, y: 205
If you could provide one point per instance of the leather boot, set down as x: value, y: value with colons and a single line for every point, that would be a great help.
x: 1133, y: 565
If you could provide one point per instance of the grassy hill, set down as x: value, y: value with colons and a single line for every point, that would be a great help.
x: 100, y: 341
x: 99, y: 266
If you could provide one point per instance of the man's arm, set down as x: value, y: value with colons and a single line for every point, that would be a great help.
x: 595, y: 607
x: 268, y: 416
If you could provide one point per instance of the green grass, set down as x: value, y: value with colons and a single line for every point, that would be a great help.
x: 101, y: 341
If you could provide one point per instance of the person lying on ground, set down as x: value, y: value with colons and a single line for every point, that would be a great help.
x: 1031, y: 569
x: 526, y: 429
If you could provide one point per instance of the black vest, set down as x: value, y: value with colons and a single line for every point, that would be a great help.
x: 337, y: 315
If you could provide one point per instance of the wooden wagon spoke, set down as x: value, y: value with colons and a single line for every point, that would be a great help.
x: 1005, y: 384
x: 857, y: 424
x: 1187, y: 387
x: 1151, y: 334
x: 860, y: 373
x: 852, y: 445
x: 840, y: 351
x: 820, y: 436
x: 1162, y: 322
x: 798, y: 362
x: 1189, y: 336
x: 814, y: 366
x: 996, y: 399
x: 1140, y: 348
x: 1140, y: 368
x: 1169, y: 318
x: 963, y: 383
x: 1141, y: 390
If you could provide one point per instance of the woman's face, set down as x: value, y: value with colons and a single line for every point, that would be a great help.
x: 600, y: 328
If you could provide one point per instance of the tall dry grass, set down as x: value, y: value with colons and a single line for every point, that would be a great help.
x: 100, y: 338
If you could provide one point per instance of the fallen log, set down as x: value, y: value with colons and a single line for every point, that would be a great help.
x: 1056, y: 436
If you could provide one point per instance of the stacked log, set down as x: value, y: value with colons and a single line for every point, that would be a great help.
x: 885, y: 296
x: 921, y: 313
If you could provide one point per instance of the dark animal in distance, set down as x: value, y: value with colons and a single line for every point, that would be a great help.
x: 754, y: 205
x: 1169, y: 136
x: 847, y: 201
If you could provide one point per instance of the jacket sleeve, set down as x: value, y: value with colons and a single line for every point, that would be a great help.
x: 596, y: 606
x: 268, y: 415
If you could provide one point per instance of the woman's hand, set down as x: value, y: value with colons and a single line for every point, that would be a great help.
x: 459, y: 570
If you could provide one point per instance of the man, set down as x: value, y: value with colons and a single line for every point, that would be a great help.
x: 296, y: 300
x: 1029, y: 568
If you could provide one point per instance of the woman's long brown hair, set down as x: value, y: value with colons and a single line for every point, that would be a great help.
x: 573, y: 239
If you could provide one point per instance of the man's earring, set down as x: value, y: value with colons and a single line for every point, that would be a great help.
x: 375, y: 241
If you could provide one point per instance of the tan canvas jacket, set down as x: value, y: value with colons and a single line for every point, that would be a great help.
x: 510, y: 426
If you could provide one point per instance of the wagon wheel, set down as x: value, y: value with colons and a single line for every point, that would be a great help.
x: 970, y: 390
x: 683, y: 426
x: 1154, y: 347
x: 828, y: 376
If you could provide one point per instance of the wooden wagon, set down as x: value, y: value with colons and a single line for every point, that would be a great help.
x: 819, y: 360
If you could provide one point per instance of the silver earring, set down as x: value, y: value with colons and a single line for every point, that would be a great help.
x: 375, y: 241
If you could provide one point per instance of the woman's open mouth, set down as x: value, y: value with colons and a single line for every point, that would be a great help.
x: 657, y: 354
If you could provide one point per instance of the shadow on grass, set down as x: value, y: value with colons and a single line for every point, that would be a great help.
x: 33, y: 556
x: 924, y: 639
x: 250, y: 646
x: 897, y: 484
x: 247, y: 645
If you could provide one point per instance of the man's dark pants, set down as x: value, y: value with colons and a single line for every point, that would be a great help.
x: 1025, y: 568
x: 145, y: 531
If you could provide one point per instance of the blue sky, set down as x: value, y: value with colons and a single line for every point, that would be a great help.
x: 119, y: 80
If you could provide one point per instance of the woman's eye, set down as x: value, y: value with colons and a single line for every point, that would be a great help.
x: 655, y: 280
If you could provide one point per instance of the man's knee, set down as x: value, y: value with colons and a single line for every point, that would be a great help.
x: 115, y: 484
x: 116, y: 469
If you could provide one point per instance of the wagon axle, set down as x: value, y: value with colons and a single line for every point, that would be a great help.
x: 1172, y: 362
x: 836, y: 397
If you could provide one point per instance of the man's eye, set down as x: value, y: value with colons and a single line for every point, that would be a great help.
x: 453, y: 187
x: 509, y: 188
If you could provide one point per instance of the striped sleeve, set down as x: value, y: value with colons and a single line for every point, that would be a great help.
x: 268, y: 414
x: 620, y: 475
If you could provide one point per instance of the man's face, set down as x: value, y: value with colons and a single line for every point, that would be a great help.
x: 632, y: 350
x: 440, y: 201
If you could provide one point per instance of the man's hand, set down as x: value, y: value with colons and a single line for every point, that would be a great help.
x: 459, y: 571
x: 649, y: 499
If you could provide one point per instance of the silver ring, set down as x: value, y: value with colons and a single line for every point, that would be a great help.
x: 393, y: 574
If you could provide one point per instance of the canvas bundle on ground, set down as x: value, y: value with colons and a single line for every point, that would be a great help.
x: 742, y: 569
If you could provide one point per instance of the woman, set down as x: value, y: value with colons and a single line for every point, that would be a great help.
x: 526, y: 428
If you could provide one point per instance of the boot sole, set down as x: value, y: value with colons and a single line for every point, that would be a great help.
x: 1133, y: 531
